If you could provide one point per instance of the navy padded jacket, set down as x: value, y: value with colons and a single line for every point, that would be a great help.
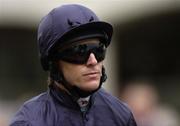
x: 56, y: 108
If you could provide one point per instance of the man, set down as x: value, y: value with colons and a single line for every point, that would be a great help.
x: 72, y: 43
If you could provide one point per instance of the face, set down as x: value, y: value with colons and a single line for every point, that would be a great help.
x: 84, y: 76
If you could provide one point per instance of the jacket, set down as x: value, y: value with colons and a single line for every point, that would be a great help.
x: 57, y: 108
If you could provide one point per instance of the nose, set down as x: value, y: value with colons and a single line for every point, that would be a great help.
x: 92, y: 59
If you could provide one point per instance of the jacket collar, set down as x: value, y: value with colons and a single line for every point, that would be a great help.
x: 63, y: 98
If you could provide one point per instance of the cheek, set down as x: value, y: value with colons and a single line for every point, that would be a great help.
x: 72, y: 74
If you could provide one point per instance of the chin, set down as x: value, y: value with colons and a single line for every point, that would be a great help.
x: 91, y: 86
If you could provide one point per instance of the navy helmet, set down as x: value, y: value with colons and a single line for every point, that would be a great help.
x: 67, y: 24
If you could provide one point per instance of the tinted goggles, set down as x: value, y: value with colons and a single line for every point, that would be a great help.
x: 79, y: 54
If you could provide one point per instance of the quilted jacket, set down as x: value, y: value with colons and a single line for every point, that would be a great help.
x: 57, y: 108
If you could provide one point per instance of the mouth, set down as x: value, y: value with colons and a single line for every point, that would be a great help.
x: 92, y: 74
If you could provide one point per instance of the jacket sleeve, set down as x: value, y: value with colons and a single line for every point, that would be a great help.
x: 132, y: 121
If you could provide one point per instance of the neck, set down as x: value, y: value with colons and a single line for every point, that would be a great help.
x: 74, y: 92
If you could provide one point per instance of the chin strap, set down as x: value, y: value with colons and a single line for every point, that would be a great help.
x: 74, y: 91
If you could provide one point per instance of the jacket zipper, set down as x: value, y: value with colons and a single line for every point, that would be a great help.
x: 83, y: 113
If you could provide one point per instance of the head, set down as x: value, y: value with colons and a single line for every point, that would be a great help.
x: 85, y: 75
x: 72, y: 43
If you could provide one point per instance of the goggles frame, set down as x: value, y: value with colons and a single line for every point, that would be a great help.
x: 79, y: 54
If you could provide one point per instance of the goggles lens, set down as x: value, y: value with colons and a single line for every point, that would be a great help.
x: 79, y: 54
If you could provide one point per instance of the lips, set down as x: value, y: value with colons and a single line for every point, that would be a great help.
x: 91, y: 73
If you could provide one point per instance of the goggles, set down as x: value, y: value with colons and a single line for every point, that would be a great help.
x: 79, y: 54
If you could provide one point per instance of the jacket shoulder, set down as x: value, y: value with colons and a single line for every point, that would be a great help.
x: 116, y: 107
x: 30, y: 110
x: 114, y: 101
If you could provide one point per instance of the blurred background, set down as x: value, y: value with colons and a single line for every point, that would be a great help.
x: 142, y: 63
